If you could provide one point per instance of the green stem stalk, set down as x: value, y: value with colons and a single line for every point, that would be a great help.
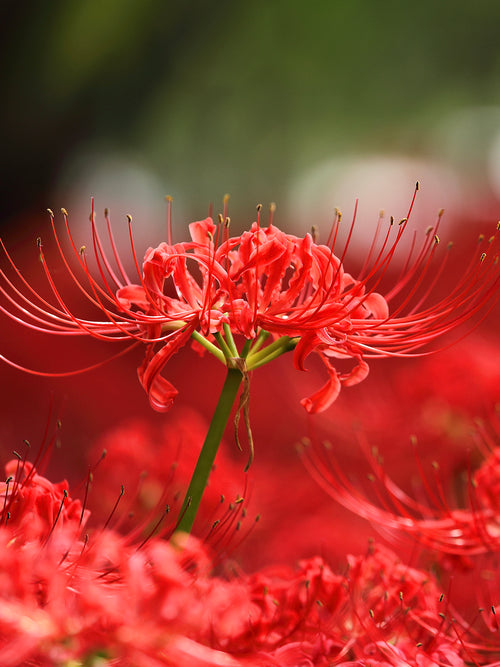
x: 272, y: 351
x: 228, y: 354
x: 209, y: 450
x: 213, y: 349
x: 230, y: 340
x: 259, y: 341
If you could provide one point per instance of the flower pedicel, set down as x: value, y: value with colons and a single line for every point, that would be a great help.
x: 250, y: 298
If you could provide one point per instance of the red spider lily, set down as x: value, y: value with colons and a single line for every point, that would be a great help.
x: 33, y: 507
x: 462, y: 543
x: 104, y: 598
x: 432, y: 521
x: 275, y: 291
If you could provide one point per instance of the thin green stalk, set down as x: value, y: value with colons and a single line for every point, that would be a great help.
x: 213, y: 349
x: 259, y: 341
x: 209, y: 450
x: 230, y: 340
x: 223, y: 346
x: 246, y: 348
x: 275, y: 349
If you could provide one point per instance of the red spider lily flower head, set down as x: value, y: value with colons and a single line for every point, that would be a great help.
x: 66, y: 597
x: 460, y: 538
x: 274, y: 291
x: 33, y: 507
x: 381, y: 612
x: 430, y: 517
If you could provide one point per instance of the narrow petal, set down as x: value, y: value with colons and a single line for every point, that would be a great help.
x: 377, y: 306
x: 357, y: 375
x: 161, y: 393
x: 202, y: 231
x: 305, y: 346
x: 133, y: 295
x: 322, y: 399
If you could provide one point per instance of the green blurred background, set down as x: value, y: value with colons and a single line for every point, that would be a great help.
x: 268, y: 100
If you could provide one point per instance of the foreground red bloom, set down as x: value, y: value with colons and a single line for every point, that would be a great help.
x: 33, y: 507
x: 275, y: 291
x: 103, y: 599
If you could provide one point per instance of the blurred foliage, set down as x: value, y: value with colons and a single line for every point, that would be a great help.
x: 228, y: 96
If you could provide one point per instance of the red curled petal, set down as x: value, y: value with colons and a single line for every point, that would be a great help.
x: 376, y: 306
x: 160, y: 391
x: 322, y: 399
x: 162, y: 394
x: 133, y: 295
x: 262, y: 256
x: 202, y: 231
x: 357, y: 375
x: 303, y: 349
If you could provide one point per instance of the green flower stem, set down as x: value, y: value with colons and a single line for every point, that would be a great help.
x: 228, y: 354
x: 259, y: 341
x: 213, y: 349
x: 246, y: 349
x: 280, y: 346
x: 230, y: 340
x: 209, y: 450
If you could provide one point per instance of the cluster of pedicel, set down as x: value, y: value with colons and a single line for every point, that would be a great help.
x: 114, y: 578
